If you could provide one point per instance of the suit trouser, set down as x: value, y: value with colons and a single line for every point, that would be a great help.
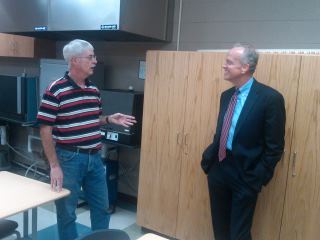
x: 232, y: 201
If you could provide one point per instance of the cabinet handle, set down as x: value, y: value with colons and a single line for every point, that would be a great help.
x: 186, y: 150
x: 179, y: 139
x: 294, y: 164
x: 186, y: 139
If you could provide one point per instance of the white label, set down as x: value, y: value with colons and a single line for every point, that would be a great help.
x: 112, y: 136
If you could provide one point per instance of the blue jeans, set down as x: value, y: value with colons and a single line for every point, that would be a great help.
x: 86, y: 171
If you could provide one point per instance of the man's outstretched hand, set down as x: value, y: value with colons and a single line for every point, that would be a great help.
x: 122, y: 119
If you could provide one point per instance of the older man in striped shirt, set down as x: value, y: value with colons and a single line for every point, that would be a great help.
x: 70, y: 117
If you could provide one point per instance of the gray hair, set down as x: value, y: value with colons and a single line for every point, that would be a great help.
x: 75, y: 48
x: 249, y: 56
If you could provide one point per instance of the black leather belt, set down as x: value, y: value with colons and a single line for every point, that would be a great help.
x: 77, y: 149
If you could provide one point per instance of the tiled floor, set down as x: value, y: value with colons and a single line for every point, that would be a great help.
x: 124, y: 218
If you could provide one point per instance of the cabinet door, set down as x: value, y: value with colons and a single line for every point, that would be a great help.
x: 302, y: 204
x: 205, y: 83
x: 16, y: 46
x: 282, y: 73
x: 162, y: 138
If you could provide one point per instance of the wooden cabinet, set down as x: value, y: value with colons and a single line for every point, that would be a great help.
x: 162, y: 140
x: 201, y: 104
x: 302, y: 204
x: 282, y: 73
x: 180, y: 109
x: 181, y: 103
x: 21, y: 46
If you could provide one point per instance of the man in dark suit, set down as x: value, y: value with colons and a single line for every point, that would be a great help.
x: 247, y: 145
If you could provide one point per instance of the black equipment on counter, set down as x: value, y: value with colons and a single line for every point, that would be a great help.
x: 18, y: 98
x: 127, y: 102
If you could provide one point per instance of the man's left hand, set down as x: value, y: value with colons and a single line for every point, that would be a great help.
x: 122, y: 119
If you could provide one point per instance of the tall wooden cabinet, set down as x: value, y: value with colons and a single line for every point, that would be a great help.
x: 181, y: 103
x: 302, y: 204
x: 162, y: 142
x: 282, y: 73
x: 201, y: 103
x: 179, y: 109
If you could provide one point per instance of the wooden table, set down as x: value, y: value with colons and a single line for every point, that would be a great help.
x: 151, y: 236
x: 19, y: 194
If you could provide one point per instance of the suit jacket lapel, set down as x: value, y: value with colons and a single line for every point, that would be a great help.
x: 250, y: 102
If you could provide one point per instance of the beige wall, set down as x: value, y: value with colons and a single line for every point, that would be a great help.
x: 210, y: 24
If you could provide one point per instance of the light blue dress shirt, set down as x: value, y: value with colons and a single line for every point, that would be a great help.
x: 241, y: 99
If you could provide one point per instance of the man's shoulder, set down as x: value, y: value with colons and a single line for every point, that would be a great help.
x: 92, y: 85
x: 228, y: 91
x: 266, y: 89
x: 269, y: 94
x: 58, y: 84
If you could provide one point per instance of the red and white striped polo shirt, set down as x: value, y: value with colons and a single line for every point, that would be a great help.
x: 73, y: 112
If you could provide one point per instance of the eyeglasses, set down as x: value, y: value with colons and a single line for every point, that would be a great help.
x: 90, y: 57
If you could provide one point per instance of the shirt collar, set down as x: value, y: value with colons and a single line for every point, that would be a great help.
x: 246, y: 87
x: 73, y: 83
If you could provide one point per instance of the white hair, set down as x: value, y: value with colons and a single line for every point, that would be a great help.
x: 249, y: 56
x: 75, y: 48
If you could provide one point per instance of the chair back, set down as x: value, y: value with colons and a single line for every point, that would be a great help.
x: 105, y: 234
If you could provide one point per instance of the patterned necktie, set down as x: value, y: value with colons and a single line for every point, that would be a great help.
x: 226, y: 125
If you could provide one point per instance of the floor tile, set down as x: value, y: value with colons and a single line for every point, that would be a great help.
x: 134, y: 231
x: 121, y: 219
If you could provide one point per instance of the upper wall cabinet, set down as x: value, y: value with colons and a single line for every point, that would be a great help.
x: 20, y: 46
x: 116, y: 20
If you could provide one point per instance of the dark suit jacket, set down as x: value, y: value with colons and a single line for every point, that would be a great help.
x: 258, y: 140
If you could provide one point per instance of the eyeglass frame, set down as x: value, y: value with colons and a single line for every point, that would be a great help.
x: 90, y: 57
